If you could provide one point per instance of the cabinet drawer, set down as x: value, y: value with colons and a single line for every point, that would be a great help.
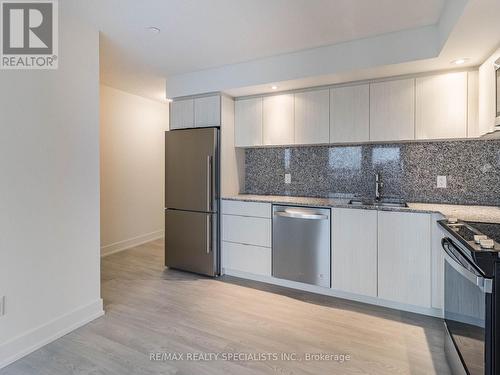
x: 255, y: 209
x: 247, y: 258
x: 246, y: 230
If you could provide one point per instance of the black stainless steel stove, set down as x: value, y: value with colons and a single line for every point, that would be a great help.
x: 471, y: 301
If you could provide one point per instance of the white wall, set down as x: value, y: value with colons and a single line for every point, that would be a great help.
x: 132, y: 169
x: 49, y: 193
x: 487, y: 94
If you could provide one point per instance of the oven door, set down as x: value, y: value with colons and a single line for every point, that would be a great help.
x: 467, y: 313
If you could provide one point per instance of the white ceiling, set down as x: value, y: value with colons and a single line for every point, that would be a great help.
x: 197, y: 35
x: 201, y: 34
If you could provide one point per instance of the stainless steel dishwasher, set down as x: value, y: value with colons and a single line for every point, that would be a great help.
x: 301, y: 244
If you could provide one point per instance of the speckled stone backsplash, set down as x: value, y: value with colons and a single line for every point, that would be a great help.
x: 408, y: 171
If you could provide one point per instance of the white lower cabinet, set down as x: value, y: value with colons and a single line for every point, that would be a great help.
x: 381, y: 257
x: 354, y: 251
x: 247, y: 230
x: 247, y: 258
x: 246, y: 237
x: 404, y: 258
x: 242, y: 208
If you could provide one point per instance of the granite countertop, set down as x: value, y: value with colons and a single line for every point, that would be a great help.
x: 489, y: 214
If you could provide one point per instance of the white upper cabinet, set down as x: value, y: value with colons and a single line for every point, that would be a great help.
x: 278, y: 122
x: 473, y: 104
x: 433, y: 107
x: 441, y: 106
x: 404, y: 257
x: 197, y: 112
x: 312, y: 117
x: 487, y: 98
x: 182, y: 114
x: 350, y: 114
x: 392, y: 110
x: 207, y: 111
x: 248, y: 122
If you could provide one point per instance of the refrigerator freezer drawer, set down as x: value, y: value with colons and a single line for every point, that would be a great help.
x: 191, y: 241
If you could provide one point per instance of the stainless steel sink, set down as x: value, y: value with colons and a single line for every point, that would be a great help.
x: 380, y: 203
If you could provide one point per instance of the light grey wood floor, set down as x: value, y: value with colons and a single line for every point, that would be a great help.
x: 150, y: 309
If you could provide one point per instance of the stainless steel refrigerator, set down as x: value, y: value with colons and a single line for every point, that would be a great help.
x: 192, y: 200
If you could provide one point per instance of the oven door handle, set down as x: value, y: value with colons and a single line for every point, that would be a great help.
x: 486, y: 285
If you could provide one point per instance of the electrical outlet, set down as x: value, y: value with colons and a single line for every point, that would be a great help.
x: 288, y: 178
x: 441, y: 182
x: 2, y: 305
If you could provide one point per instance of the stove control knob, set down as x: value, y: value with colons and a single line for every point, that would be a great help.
x: 487, y: 244
x: 479, y: 237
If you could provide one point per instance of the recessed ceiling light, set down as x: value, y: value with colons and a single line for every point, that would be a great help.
x: 153, y: 29
x: 459, y: 61
x: 274, y: 87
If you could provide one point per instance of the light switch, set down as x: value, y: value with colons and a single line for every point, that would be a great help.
x: 441, y: 182
x: 288, y: 178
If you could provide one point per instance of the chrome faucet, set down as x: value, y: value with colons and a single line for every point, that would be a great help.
x: 378, y: 186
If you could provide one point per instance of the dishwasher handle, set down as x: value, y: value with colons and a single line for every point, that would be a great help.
x: 300, y: 215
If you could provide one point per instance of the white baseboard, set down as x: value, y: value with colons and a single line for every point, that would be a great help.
x: 335, y: 293
x: 131, y: 242
x: 34, y: 339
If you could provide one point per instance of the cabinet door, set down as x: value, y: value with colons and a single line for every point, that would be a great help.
x: 441, y: 110
x: 487, y: 85
x: 392, y: 110
x: 207, y: 111
x: 350, y: 114
x: 248, y: 122
x: 182, y: 114
x: 312, y: 117
x: 246, y: 258
x: 278, y: 120
x: 354, y: 251
x: 437, y: 263
x: 404, y: 257
x: 472, y: 104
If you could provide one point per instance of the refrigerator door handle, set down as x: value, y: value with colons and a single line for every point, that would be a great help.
x: 209, y: 183
x: 209, y: 234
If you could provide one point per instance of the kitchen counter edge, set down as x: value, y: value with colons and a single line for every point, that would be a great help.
x: 489, y: 214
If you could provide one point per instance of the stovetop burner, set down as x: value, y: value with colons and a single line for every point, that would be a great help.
x: 489, y: 229
x: 466, y: 230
